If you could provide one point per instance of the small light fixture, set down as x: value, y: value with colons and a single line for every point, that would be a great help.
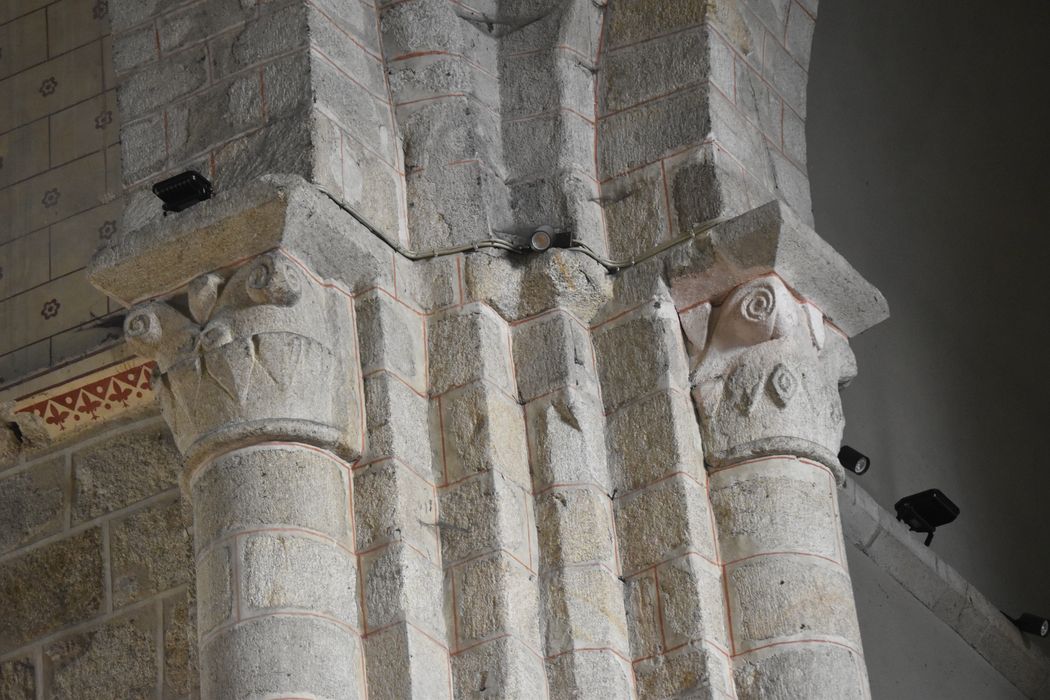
x: 856, y: 462
x: 183, y: 190
x: 1031, y: 624
x: 926, y: 511
x: 545, y: 238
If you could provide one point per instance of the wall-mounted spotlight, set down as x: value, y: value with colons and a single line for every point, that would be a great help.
x: 1031, y: 624
x: 545, y: 238
x: 926, y: 511
x: 856, y: 462
x: 183, y: 190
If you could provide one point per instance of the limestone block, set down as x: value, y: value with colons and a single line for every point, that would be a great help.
x: 644, y: 626
x: 409, y: 665
x: 117, y: 471
x: 466, y: 345
x: 663, y: 521
x: 583, y: 609
x: 32, y: 503
x: 636, y: 212
x: 653, y: 437
x: 252, y: 660
x: 566, y: 440
x: 429, y: 25
x: 639, y: 354
x: 455, y: 205
x: 483, y: 429
x: 181, y: 674
x: 286, y: 572
x: 391, y: 338
x: 495, y: 595
x: 356, y: 19
x: 501, y: 668
x: 901, y: 554
x: 694, y: 671
x: 273, y: 32
x: 787, y: 596
x: 370, y: 184
x: 393, y: 503
x: 818, y: 671
x: 50, y: 587
x: 428, y: 285
x: 482, y: 514
x: 552, y: 352
x: 401, y: 585
x: 18, y: 679
x: 691, y: 602
x: 142, y: 150
x: 775, y: 505
x: 213, y: 116
x: 115, y: 660
x: 150, y: 552
x: 589, y: 674
x: 633, y: 22
x: 575, y: 527
x: 160, y: 83
x: 271, y: 486
x: 215, y: 587
x: 541, y: 81
x: 397, y: 424
x: 639, y: 73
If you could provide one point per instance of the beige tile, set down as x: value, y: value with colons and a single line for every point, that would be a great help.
x: 24, y: 263
x: 80, y: 341
x: 76, y: 239
x: 23, y: 152
x: 24, y: 361
x: 51, y: 86
x: 84, y: 128
x: 10, y: 9
x: 48, y: 310
x: 109, y: 79
x: 55, y: 195
x: 71, y: 23
x: 114, y: 183
x: 23, y: 43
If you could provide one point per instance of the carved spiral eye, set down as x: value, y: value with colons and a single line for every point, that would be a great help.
x: 143, y: 326
x: 273, y: 280
x: 759, y: 304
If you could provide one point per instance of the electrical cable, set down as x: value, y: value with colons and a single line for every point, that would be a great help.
x: 612, y: 266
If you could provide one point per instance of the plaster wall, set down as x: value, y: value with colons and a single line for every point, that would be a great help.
x: 927, y: 162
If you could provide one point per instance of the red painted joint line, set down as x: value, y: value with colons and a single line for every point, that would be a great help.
x: 589, y: 650
x: 288, y: 530
x: 368, y: 52
x: 785, y: 553
x: 793, y: 642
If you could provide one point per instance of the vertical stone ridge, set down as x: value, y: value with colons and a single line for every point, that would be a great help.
x: 669, y: 556
x: 582, y: 615
x: 486, y: 515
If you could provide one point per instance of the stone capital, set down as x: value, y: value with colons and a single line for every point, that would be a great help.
x: 260, y: 353
x: 767, y: 382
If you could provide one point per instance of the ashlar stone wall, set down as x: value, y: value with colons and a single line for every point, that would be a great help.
x: 96, y: 570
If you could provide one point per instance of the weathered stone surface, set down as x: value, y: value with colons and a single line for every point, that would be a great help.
x: 402, y: 586
x: 503, y: 668
x: 49, y: 587
x: 589, y: 674
x: 406, y: 664
x: 466, y: 345
x: 566, y: 434
x: 285, y: 571
x: 691, y: 602
x: 818, y: 671
x: 276, y: 486
x: 496, y: 595
x: 645, y: 632
x: 32, y: 503
x: 552, y: 352
x: 115, y: 660
x: 215, y: 603
x: 694, y: 671
x: 575, y: 527
x: 481, y: 514
x: 118, y: 471
x: 150, y: 552
x: 18, y: 679
x: 582, y: 607
x: 775, y: 505
x: 392, y: 503
x: 252, y: 660
x: 483, y: 430
x: 391, y: 338
x: 397, y: 423
x: 181, y: 673
x: 785, y: 596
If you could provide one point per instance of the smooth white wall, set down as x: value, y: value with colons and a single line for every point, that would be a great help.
x: 928, y: 157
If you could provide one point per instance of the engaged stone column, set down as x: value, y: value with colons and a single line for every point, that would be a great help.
x: 767, y: 390
x: 260, y: 386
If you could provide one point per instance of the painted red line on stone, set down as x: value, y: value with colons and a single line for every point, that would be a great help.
x: 394, y: 375
x: 791, y: 642
x: 280, y: 529
x: 388, y: 543
x: 459, y: 277
x: 729, y: 610
x: 549, y: 113
x: 686, y: 87
x: 591, y: 650
x: 572, y: 485
x: 667, y: 156
x: 781, y: 553
x: 451, y: 54
x: 395, y: 460
x: 339, y: 28
x: 655, y: 482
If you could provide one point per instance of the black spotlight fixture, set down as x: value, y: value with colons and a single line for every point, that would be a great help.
x: 1031, y: 624
x: 926, y: 511
x: 183, y: 190
x: 856, y: 462
x: 544, y: 238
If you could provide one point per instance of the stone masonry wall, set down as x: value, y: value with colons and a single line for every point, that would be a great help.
x: 96, y: 571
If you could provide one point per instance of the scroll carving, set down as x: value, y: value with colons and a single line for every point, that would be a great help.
x: 262, y: 354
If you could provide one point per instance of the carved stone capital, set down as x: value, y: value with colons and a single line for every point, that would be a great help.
x: 768, y: 379
x: 262, y: 353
